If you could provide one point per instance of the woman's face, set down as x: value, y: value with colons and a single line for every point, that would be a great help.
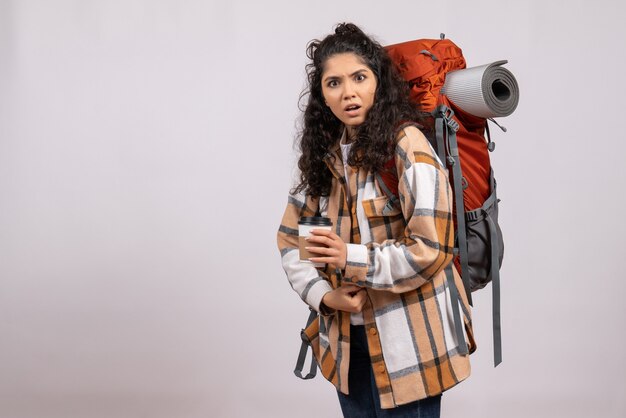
x: 348, y: 87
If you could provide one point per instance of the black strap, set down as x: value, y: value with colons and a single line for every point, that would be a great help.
x: 458, y: 323
x: 303, y: 349
x: 495, y: 294
x: 441, y: 148
x: 494, y: 272
x: 394, y: 201
x: 448, y: 128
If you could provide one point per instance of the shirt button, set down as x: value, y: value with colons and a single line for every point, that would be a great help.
x: 381, y: 368
x: 373, y: 331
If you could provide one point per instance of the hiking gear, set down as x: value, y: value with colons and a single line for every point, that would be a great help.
x: 460, y: 142
x: 487, y: 91
x: 306, y: 335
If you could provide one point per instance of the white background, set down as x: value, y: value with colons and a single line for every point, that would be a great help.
x: 146, y: 149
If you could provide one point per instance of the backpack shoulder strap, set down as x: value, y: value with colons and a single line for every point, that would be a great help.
x: 388, y: 177
x: 303, y: 350
x: 386, y: 182
x: 446, y: 128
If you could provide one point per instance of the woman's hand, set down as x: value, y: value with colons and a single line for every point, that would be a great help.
x: 334, y: 252
x: 347, y: 297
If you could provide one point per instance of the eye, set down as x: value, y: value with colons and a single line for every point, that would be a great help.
x: 332, y: 83
x: 360, y: 77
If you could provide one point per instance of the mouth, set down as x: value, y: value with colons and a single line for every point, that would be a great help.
x: 352, y: 110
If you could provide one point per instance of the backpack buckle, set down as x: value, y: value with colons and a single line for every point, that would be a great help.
x: 473, y: 215
x: 452, y: 124
x: 388, y: 208
x: 447, y: 115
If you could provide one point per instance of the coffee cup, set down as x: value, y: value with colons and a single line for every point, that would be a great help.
x: 305, y: 225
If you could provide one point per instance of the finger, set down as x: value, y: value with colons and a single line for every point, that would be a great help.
x: 320, y: 240
x: 358, y: 301
x: 325, y: 260
x: 322, y: 232
x: 327, y: 251
x: 318, y: 250
x: 328, y: 234
x: 361, y: 298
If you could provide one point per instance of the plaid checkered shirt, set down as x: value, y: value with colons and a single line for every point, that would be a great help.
x: 408, y: 313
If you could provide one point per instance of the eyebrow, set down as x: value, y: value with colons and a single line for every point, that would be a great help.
x: 333, y: 77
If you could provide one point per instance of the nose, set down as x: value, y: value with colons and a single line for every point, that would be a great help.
x: 348, y: 90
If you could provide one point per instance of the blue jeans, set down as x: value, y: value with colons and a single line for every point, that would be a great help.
x: 363, y: 401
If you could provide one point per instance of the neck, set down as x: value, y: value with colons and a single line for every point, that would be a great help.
x: 351, y: 133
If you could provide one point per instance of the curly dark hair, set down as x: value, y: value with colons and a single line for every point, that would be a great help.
x: 375, y: 139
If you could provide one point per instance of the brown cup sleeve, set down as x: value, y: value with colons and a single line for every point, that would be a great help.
x: 304, y: 254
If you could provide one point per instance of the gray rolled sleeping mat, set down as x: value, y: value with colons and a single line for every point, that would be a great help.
x: 487, y: 91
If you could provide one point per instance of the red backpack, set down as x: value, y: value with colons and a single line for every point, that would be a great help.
x: 459, y: 139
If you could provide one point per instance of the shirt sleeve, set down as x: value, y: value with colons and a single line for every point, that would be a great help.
x: 407, y: 262
x: 310, y: 283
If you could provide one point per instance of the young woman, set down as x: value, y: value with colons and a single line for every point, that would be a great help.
x: 386, y: 335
